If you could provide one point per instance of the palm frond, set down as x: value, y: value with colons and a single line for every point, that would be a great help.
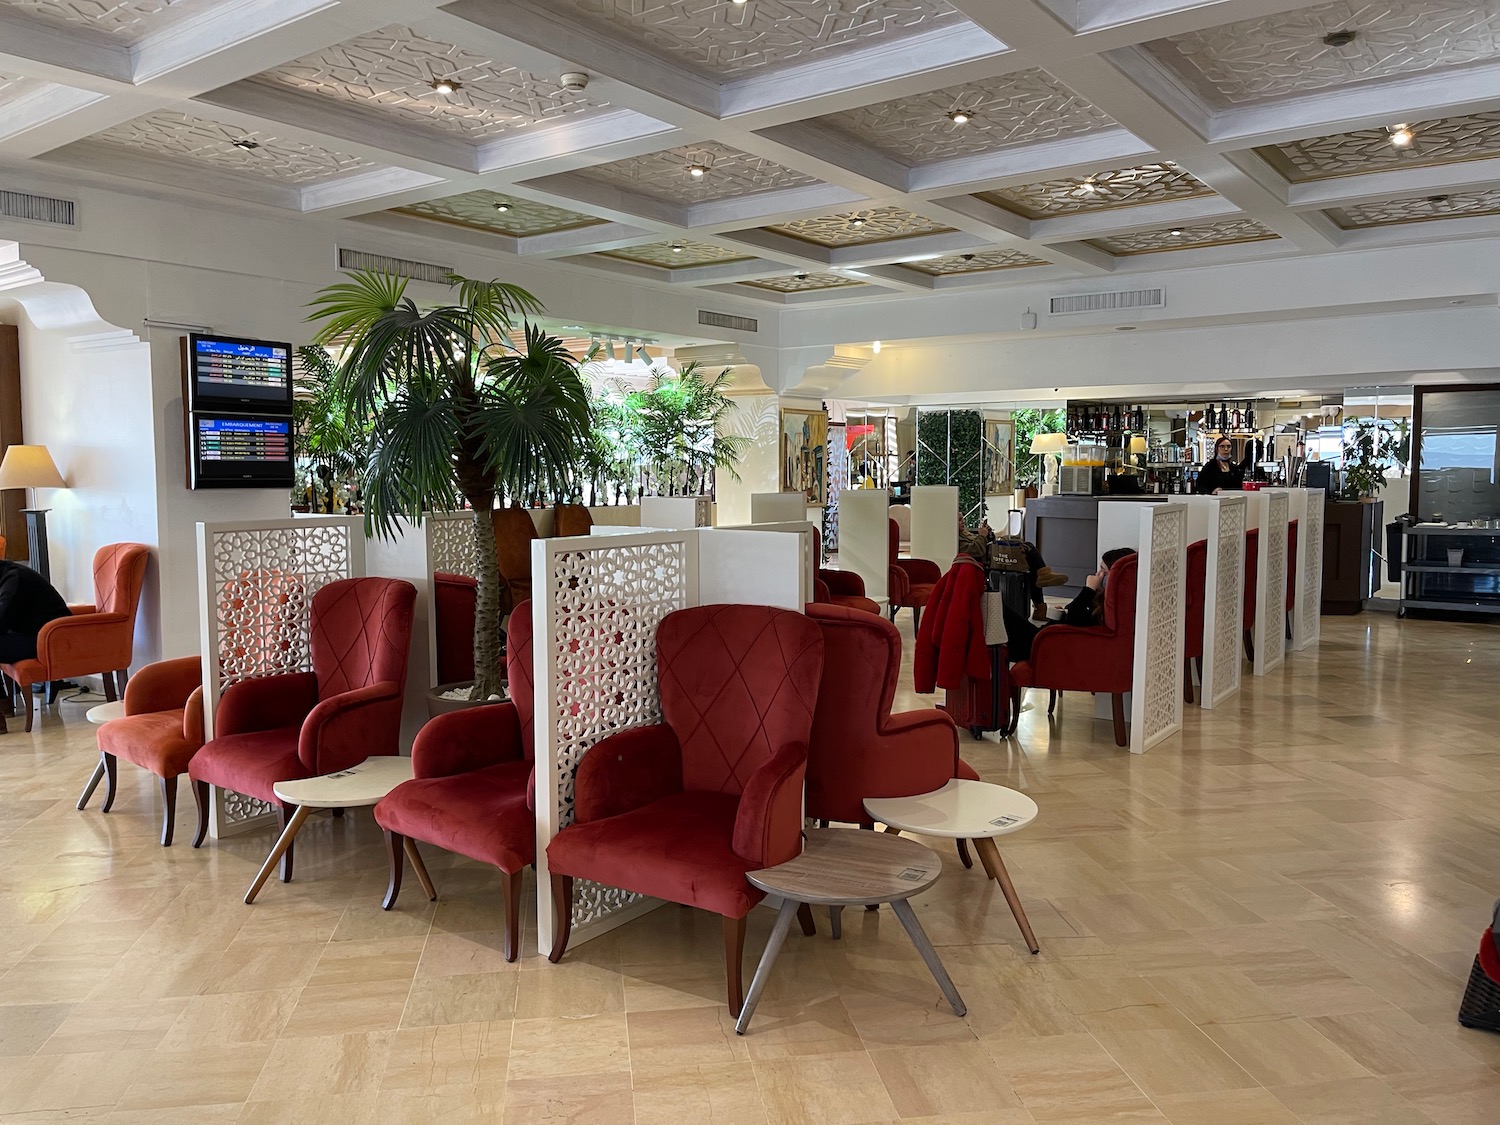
x: 410, y: 461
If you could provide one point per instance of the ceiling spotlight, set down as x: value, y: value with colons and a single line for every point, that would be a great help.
x: 1088, y: 187
x: 738, y: 3
x: 1401, y: 135
x: 799, y: 276
x: 246, y: 143
x: 502, y: 207
x: 1340, y: 38
x: 446, y: 85
x: 697, y: 171
x: 1175, y: 232
x: 967, y: 257
x: 1438, y: 198
x: 857, y: 221
x: 875, y: 347
x: 677, y: 248
x: 959, y: 117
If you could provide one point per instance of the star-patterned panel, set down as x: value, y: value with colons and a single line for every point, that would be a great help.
x: 982, y: 261
x: 1102, y: 191
x: 1417, y: 210
x: 665, y: 176
x: 522, y: 217
x: 677, y: 254
x: 1193, y: 237
x: 124, y: 21
x: 1444, y: 141
x: 803, y: 283
x: 860, y: 228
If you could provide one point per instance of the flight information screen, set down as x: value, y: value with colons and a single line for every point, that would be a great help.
x: 241, y: 452
x: 229, y: 373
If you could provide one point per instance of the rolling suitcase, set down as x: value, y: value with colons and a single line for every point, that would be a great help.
x: 984, y: 705
x: 1481, y: 1003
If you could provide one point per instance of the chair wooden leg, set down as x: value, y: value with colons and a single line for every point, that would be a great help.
x: 1117, y: 706
x: 50, y: 695
x: 415, y: 857
x: 168, y: 809
x: 287, y: 812
x: 916, y: 618
x: 29, y: 701
x: 122, y: 677
x: 337, y: 813
x: 1051, y: 703
x: 1249, y: 639
x: 963, y: 854
x: 109, y: 782
x: 805, y: 919
x: 109, y: 687
x: 397, y: 853
x: 511, y: 889
x: 94, y: 779
x: 1187, y: 680
x: 734, y: 969
x: 200, y: 798
x: 562, y: 907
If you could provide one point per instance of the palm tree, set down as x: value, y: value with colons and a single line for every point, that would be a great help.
x: 455, y: 410
x: 681, y: 420
x: 331, y: 438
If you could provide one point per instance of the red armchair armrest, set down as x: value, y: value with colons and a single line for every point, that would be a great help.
x: 1073, y: 658
x: 163, y: 686
x: 266, y: 703
x: 192, y: 718
x: 898, y: 585
x: 768, y: 822
x: 84, y: 643
x: 843, y: 583
x: 76, y: 609
x: 467, y: 740
x: 626, y: 771
x: 920, y: 570
x: 345, y: 729
x: 913, y: 771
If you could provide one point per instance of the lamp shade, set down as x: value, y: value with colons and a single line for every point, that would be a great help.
x: 1049, y: 443
x: 1138, y: 444
x: 29, y: 466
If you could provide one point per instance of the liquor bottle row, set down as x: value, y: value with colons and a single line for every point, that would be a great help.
x: 1105, y: 418
x: 1226, y: 420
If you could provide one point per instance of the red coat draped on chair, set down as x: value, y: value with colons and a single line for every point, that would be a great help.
x: 950, y: 640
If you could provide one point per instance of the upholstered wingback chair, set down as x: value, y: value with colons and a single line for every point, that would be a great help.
x: 909, y: 581
x: 1197, y: 595
x: 514, y: 533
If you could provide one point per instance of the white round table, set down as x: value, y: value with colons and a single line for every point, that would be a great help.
x: 356, y: 787
x: 966, y: 810
x: 106, y: 712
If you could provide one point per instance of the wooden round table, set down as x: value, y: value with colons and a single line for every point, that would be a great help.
x: 842, y: 867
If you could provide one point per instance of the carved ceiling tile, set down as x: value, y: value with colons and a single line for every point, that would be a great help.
x: 392, y: 70
x: 1283, y: 55
x: 1417, y: 210
x: 803, y: 283
x: 179, y: 136
x: 980, y: 262
x: 1015, y: 109
x: 1195, y: 237
x: 677, y: 254
x: 718, y: 40
x: 1102, y: 191
x: 124, y: 20
x: 860, y: 228
x: 665, y: 175
x: 480, y: 210
x: 1447, y: 140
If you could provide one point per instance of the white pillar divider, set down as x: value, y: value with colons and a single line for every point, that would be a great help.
x: 808, y: 560
x: 1307, y: 621
x: 256, y: 581
x: 864, y: 538
x: 1268, y: 509
x: 934, y: 523
x: 449, y: 541
x: 1221, y: 521
x: 672, y: 513
x: 1160, y: 597
x: 777, y: 507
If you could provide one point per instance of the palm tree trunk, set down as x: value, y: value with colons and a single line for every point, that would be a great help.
x: 488, y: 680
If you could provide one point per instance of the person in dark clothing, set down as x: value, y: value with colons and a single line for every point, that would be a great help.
x: 1220, y: 474
x: 1085, y: 610
x: 27, y: 602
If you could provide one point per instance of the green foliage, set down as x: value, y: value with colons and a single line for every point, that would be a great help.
x: 1370, y: 448
x: 950, y: 450
x: 329, y: 435
x: 1028, y: 422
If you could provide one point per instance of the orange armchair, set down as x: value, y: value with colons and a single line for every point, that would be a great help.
x: 571, y: 519
x: 909, y: 581
x: 514, y: 533
x: 98, y: 639
x: 161, y: 731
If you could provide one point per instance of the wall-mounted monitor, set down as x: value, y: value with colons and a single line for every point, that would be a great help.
x: 240, y: 451
x: 227, y: 373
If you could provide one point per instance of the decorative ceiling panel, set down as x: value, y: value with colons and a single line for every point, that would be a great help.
x: 1015, y: 109
x: 1418, y: 210
x: 1448, y: 140
x: 179, y: 136
x: 677, y: 254
x: 1102, y: 191
x: 803, y: 283
x: 1283, y: 55
x: 393, y: 70
x: 1185, y: 238
x: 665, y: 175
x: 521, y: 217
x: 860, y: 228
x: 980, y: 262
x: 126, y: 20
x: 718, y: 39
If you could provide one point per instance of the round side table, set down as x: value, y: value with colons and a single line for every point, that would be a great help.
x: 966, y: 810
x: 846, y: 867
x: 106, y: 712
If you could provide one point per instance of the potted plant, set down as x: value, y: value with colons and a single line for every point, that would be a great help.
x: 680, y: 417
x: 454, y: 409
x: 330, y: 438
x: 1368, y: 451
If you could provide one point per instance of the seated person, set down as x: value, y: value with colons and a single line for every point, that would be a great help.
x: 1085, y: 610
x: 27, y: 602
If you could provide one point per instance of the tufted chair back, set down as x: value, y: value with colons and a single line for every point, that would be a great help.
x: 1252, y: 573
x: 738, y: 683
x: 119, y: 574
x: 1197, y: 583
x: 1119, y: 601
x: 1291, y: 565
x: 361, y: 634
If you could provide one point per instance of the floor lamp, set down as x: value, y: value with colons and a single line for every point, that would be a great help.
x: 31, y: 466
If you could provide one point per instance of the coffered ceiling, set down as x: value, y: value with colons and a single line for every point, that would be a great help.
x: 786, y: 151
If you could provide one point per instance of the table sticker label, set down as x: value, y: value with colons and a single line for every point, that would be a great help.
x: 1005, y: 821
x: 913, y: 874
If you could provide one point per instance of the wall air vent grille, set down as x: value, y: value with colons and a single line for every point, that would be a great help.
x: 724, y: 320
x: 1106, y: 302
x: 38, y: 209
x: 400, y: 267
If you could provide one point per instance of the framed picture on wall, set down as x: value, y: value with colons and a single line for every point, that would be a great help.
x: 804, y: 454
x: 999, y: 466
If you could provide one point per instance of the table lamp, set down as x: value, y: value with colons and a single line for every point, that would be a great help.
x: 31, y: 466
x: 1048, y: 443
x: 1138, y: 446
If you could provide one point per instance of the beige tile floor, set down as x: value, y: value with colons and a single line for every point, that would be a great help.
x: 1267, y: 921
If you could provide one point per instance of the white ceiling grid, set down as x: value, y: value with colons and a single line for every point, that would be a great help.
x: 1100, y: 137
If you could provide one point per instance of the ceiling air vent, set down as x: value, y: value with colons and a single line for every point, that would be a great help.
x: 724, y: 320
x: 1107, y: 302
x: 38, y: 209
x: 401, y: 267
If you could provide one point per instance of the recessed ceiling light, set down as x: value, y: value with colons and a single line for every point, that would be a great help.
x: 857, y: 221
x: 875, y: 347
x: 799, y: 276
x: 677, y: 248
x: 1340, y: 38
x: 967, y: 257
x: 697, y: 171
x: 959, y: 117
x: 1088, y: 187
x: 502, y: 207
x: 1125, y: 328
x: 246, y: 143
x: 1175, y: 232
x: 739, y: 3
x: 1401, y: 135
x: 446, y: 85
x: 1438, y: 198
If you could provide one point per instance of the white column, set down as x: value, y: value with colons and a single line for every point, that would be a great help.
x: 864, y: 545
x: 1161, y: 586
x: 934, y: 523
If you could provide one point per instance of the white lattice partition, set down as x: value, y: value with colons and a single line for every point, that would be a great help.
x: 1221, y: 521
x: 256, y: 581
x: 1268, y: 509
x: 1307, y: 620
x: 1161, y: 591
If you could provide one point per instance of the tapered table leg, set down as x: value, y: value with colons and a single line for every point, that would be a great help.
x: 924, y: 947
x: 774, y: 943
x: 996, y: 867
x: 88, y: 790
x: 283, y: 842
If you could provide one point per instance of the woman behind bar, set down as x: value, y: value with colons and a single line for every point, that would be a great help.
x: 1221, y: 474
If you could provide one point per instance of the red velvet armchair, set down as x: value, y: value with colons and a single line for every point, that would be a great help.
x: 1291, y: 572
x: 681, y: 810
x: 161, y: 731
x: 1252, y: 574
x: 303, y: 724
x: 1098, y: 658
x: 1192, y: 643
x: 471, y: 780
x: 454, y: 597
x: 514, y: 533
x: 839, y: 587
x: 98, y: 639
x: 909, y: 581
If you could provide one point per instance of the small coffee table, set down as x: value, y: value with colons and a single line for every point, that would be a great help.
x: 356, y: 787
x: 966, y: 810
x: 846, y: 867
x: 106, y: 712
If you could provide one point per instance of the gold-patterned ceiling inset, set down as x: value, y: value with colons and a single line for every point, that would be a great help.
x: 666, y: 176
x: 479, y: 210
x: 1447, y: 140
x: 1195, y: 237
x: 1102, y: 191
x: 1027, y: 107
x: 1283, y: 55
x: 979, y: 262
x: 803, y: 283
x: 860, y: 228
x: 677, y: 254
x: 1419, y: 209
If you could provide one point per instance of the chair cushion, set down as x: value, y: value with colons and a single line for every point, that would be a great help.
x: 250, y: 763
x: 854, y: 601
x: 678, y: 848
x: 152, y: 741
x: 482, y: 814
x: 918, y: 593
x: 1021, y: 673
